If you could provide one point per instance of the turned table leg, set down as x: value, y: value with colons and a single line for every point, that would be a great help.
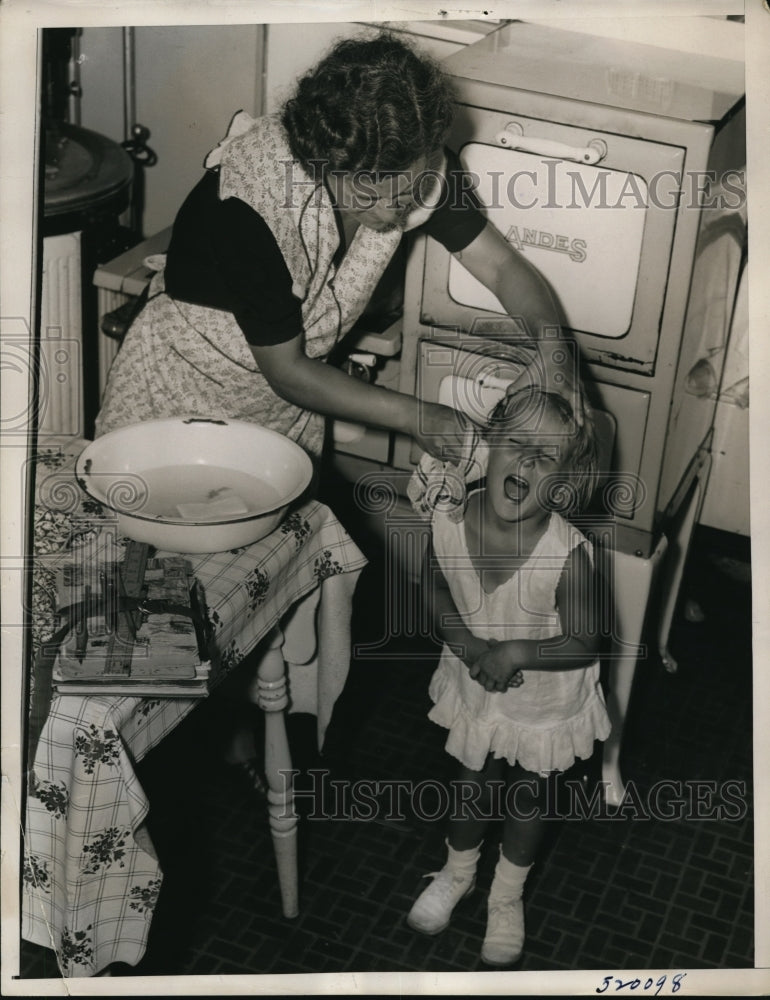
x: 270, y: 693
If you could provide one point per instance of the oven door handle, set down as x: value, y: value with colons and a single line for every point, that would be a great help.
x: 512, y: 137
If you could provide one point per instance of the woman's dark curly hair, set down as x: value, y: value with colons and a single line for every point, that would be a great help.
x: 370, y: 104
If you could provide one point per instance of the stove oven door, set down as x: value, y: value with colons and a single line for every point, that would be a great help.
x: 593, y: 211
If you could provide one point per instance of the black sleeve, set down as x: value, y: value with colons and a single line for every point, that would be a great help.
x: 458, y: 220
x: 223, y: 255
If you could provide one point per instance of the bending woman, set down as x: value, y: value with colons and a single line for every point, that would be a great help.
x: 276, y: 252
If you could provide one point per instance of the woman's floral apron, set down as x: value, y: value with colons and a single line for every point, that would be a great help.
x: 181, y: 359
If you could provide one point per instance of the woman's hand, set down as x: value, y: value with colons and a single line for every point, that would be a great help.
x: 442, y: 431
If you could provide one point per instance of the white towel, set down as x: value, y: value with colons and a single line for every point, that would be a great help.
x: 230, y: 505
x: 437, y: 485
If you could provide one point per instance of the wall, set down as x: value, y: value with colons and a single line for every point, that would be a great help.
x: 189, y: 82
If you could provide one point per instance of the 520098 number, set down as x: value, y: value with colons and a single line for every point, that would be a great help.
x: 642, y: 985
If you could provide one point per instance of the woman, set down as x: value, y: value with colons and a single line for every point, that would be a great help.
x: 277, y: 250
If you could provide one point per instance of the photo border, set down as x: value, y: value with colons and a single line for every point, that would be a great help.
x: 19, y: 25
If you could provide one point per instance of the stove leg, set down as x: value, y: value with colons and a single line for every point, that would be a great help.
x: 680, y: 536
x: 632, y: 579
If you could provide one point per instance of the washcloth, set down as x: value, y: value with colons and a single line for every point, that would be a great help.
x: 218, y: 509
x: 439, y: 485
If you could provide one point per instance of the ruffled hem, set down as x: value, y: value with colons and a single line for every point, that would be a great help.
x: 555, y: 748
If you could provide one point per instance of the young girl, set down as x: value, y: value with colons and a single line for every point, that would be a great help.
x: 517, y: 684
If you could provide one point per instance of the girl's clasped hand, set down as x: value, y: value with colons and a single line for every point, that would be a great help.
x: 494, y: 670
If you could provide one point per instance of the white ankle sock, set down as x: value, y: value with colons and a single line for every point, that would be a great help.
x: 462, y: 862
x: 508, y: 883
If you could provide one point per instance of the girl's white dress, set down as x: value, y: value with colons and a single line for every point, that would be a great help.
x: 555, y: 715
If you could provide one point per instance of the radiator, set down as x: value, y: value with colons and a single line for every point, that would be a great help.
x: 60, y: 384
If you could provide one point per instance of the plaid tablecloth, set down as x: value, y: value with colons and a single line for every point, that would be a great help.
x: 91, y: 879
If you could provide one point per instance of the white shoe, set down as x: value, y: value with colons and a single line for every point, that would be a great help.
x: 433, y: 907
x: 504, y: 938
x: 457, y: 879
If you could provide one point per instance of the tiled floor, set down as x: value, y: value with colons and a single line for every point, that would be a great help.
x: 619, y: 892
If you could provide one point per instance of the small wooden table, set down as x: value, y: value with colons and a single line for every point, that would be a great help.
x: 91, y: 878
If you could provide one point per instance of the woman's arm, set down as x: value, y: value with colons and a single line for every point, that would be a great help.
x: 316, y: 386
x: 579, y: 603
x: 527, y: 298
x: 521, y: 288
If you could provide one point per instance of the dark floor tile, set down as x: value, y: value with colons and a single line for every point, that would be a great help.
x: 610, y: 920
x: 742, y: 941
x: 648, y: 929
x: 659, y: 958
x: 586, y: 908
x: 674, y: 940
x: 736, y: 960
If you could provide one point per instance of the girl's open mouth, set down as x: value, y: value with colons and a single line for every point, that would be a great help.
x: 516, y: 489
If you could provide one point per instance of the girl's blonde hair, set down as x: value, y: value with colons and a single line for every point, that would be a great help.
x: 524, y: 408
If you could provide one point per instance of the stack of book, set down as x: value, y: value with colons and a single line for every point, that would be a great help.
x: 137, y: 627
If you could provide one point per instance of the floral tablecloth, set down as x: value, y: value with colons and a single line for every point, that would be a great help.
x: 91, y: 878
